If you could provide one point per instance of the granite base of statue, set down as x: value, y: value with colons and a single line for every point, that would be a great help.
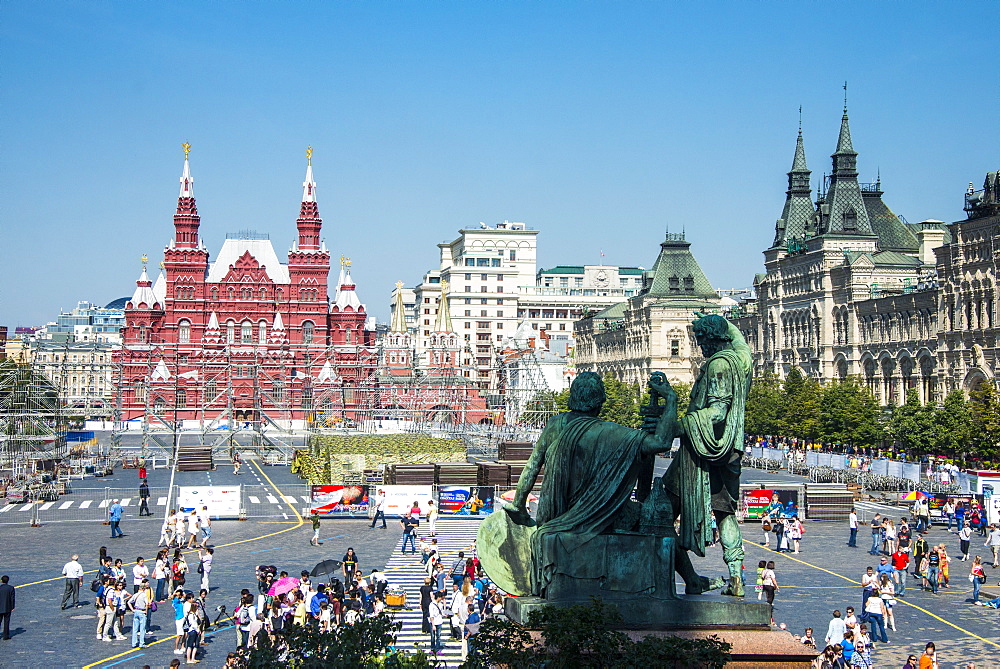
x: 605, y: 528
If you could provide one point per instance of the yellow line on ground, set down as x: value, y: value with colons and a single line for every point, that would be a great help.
x: 287, y: 529
x: 297, y: 523
x: 898, y: 600
x: 132, y: 650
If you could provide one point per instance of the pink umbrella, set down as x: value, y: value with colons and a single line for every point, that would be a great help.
x: 283, y: 585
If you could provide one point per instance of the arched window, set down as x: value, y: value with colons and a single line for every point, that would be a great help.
x: 246, y: 332
x: 230, y: 332
x: 349, y: 335
x: 184, y: 331
x: 262, y: 333
x: 215, y: 293
x: 142, y: 334
x: 307, y: 332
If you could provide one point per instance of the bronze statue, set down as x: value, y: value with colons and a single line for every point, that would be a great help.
x: 704, y: 475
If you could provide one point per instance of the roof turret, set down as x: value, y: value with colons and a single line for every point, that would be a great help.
x: 443, y: 321
x: 347, y: 298
x: 309, y: 222
x: 798, y: 214
x: 186, y: 219
x: 143, y: 290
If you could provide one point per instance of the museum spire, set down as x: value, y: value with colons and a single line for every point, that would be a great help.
x: 186, y: 219
x: 309, y: 222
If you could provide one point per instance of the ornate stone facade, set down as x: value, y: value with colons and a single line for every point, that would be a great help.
x: 851, y: 288
x: 651, y: 331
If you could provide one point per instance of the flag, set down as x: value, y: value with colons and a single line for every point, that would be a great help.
x: 602, y: 254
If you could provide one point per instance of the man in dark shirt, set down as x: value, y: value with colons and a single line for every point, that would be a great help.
x: 919, y: 550
x: 876, y: 534
x: 6, y: 604
x: 410, y: 525
x: 933, y: 563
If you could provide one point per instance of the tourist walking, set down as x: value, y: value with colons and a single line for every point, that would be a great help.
x: 144, y: 499
x: 73, y: 574
x: 900, y: 564
x: 140, y: 572
x: 933, y: 566
x: 977, y: 575
x: 852, y: 524
x: 887, y: 593
x: 315, y: 525
x: 993, y: 542
x: 920, y: 549
x: 795, y: 530
x: 379, y: 503
x: 237, y: 462
x: 350, y: 566
x: 205, y: 522
x: 432, y: 516
x: 115, y: 518
x: 205, y: 557
x: 192, y: 625
x: 436, y: 615
x: 770, y: 586
x: 869, y: 582
x: 766, y: 527
x: 964, y: 539
x: 876, y: 527
x: 139, y: 605
x: 7, y: 601
x: 409, y: 524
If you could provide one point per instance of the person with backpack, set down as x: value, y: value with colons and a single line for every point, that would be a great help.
x: 457, y: 572
x: 243, y: 615
x: 192, y: 632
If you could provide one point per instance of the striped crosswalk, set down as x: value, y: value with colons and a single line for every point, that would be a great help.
x: 407, y: 571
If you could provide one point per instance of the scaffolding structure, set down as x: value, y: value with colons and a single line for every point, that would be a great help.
x: 32, y: 421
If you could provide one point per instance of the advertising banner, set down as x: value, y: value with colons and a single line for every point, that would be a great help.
x: 755, y: 502
x: 400, y: 498
x: 465, y: 500
x: 222, y: 501
x: 348, y: 500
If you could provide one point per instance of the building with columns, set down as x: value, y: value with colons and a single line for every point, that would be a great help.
x: 247, y: 337
x: 850, y: 288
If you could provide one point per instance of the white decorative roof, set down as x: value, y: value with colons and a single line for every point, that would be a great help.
x: 346, y: 297
x: 160, y: 289
x: 260, y: 249
x: 193, y: 375
x: 161, y: 372
x: 143, y: 291
x: 213, y: 322
x: 187, y: 181
x: 309, y: 186
x: 278, y: 323
x: 327, y: 373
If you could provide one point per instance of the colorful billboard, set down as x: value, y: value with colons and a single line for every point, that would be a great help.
x: 222, y: 501
x: 756, y: 502
x: 465, y: 500
x: 340, y: 500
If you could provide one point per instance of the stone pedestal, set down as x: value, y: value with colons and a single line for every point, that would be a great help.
x: 751, y: 649
x: 647, y: 613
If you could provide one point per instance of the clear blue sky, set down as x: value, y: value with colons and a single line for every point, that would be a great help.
x: 598, y: 123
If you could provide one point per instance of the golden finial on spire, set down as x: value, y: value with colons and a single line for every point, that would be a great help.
x: 145, y: 259
x: 345, y: 262
x: 187, y: 149
x: 399, y: 285
x: 309, y: 155
x: 444, y: 287
x: 163, y: 265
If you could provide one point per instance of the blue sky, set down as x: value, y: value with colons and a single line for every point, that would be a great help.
x: 597, y: 123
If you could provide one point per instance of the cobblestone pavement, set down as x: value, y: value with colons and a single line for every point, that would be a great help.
x: 824, y: 576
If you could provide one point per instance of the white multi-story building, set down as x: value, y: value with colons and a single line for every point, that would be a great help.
x: 495, y: 286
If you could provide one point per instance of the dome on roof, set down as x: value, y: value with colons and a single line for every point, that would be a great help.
x: 117, y: 304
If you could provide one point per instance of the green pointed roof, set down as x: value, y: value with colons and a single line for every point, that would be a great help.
x: 798, y: 213
x: 676, y: 273
x: 844, y: 145
x: 892, y: 233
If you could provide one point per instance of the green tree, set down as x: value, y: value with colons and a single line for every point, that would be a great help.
x: 540, y: 408
x: 951, y: 421
x: 765, y: 405
x: 802, y: 399
x: 984, y: 421
x: 912, y: 424
x: 622, y: 404
x: 850, y: 414
x: 364, y: 645
x: 585, y: 636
